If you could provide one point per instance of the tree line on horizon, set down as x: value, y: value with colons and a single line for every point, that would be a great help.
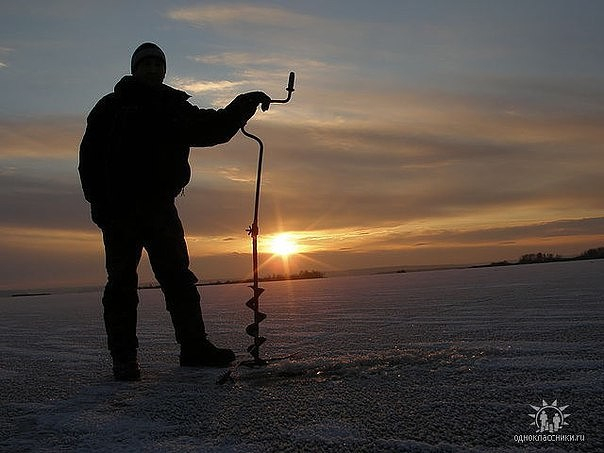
x: 302, y: 275
x: 540, y: 257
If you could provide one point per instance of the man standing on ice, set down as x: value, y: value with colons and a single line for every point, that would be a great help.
x: 133, y: 163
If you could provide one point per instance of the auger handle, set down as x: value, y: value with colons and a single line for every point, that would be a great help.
x: 290, y: 89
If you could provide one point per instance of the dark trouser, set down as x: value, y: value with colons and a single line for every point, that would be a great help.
x: 159, y: 231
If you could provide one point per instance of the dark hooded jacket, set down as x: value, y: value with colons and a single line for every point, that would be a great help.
x: 136, y: 146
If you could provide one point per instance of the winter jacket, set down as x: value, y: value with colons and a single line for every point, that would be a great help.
x: 136, y: 145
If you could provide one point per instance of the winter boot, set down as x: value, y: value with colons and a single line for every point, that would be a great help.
x: 204, y: 353
x: 120, y: 315
x: 195, y: 349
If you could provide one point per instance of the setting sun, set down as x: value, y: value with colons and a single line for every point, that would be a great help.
x: 283, y: 245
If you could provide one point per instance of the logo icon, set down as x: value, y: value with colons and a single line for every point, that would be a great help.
x: 549, y: 418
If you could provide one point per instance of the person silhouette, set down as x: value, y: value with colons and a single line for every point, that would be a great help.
x: 556, y: 421
x: 543, y: 420
x: 133, y: 162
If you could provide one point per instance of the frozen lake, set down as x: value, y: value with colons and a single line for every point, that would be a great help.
x: 431, y: 361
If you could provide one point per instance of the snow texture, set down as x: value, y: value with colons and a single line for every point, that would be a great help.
x: 441, y: 361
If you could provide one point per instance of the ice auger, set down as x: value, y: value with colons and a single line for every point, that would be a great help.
x: 253, y: 329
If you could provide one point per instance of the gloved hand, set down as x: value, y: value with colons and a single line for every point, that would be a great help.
x: 258, y: 97
x: 247, y: 103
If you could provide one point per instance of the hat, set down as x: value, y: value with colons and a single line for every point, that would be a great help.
x: 146, y: 50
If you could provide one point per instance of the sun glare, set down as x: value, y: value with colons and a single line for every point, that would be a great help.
x: 284, y: 245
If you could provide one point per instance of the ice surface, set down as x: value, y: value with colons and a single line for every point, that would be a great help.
x: 433, y: 361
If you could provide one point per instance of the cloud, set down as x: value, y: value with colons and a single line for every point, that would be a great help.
x: 263, y: 63
x: 221, y: 15
x: 34, y: 198
x: 430, y: 156
x: 50, y: 137
x: 475, y: 236
x: 285, y: 32
x: 468, y: 158
x: 47, y: 257
x: 4, y: 51
x: 265, y: 70
x: 204, y: 86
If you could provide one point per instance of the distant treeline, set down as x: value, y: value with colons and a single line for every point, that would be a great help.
x: 532, y: 258
x: 269, y: 278
x: 302, y: 275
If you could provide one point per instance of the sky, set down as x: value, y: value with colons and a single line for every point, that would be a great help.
x: 420, y: 132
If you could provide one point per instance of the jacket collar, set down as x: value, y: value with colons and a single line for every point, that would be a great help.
x: 129, y: 87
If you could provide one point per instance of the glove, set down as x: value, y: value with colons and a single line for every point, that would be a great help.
x: 257, y: 97
x: 246, y: 104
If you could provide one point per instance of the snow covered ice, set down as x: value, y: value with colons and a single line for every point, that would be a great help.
x: 431, y: 361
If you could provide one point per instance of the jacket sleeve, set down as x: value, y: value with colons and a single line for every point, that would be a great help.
x: 93, y: 151
x: 209, y: 127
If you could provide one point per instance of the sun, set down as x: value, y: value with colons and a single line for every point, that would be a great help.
x: 283, y: 245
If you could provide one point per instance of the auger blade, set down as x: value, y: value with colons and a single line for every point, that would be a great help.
x: 259, y: 317
x: 257, y: 343
x: 252, y: 303
x: 257, y: 291
x: 252, y: 330
x: 254, y: 349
